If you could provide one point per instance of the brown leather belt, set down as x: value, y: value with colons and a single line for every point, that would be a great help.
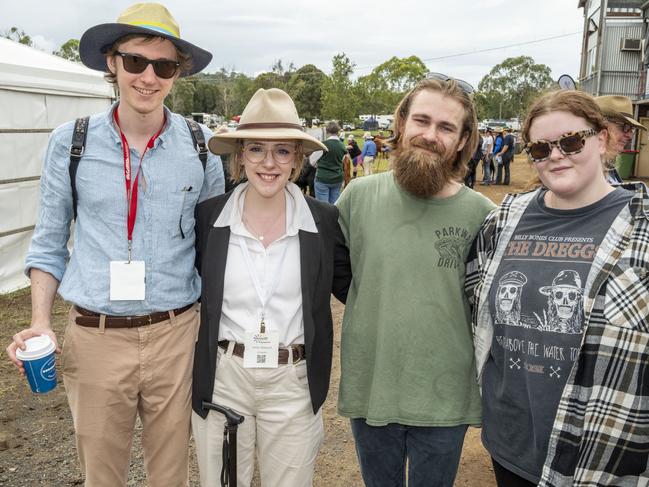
x: 91, y: 319
x: 299, y: 352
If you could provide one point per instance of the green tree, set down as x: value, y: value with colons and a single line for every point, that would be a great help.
x: 207, y: 95
x: 241, y: 90
x: 338, y: 97
x: 305, y: 87
x: 181, y: 98
x: 269, y: 80
x: 69, y: 50
x: 17, y: 35
x: 380, y: 91
x: 401, y: 74
x: 511, y: 86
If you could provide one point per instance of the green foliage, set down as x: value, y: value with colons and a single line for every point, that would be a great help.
x: 181, y: 98
x: 401, y: 74
x: 207, y: 97
x: 69, y: 50
x: 338, y: 97
x: 383, y: 88
x: 511, y: 86
x: 305, y: 87
x: 17, y: 35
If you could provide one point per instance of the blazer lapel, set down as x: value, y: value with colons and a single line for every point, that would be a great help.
x: 213, y: 279
x: 310, y: 254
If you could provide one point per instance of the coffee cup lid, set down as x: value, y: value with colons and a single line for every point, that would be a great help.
x: 36, y: 347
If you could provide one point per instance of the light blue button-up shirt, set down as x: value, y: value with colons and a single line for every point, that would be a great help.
x: 171, y: 183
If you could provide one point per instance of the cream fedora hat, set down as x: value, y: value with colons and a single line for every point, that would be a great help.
x: 269, y: 115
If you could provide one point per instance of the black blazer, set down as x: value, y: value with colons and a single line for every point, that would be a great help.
x: 324, y: 260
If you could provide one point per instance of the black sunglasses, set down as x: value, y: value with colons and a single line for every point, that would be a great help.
x: 466, y: 87
x: 136, y: 64
x: 568, y: 144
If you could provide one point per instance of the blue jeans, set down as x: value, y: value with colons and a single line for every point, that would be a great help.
x: 327, y: 192
x: 486, y: 170
x: 433, y: 454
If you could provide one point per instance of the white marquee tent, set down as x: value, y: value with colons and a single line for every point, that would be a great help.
x: 38, y: 91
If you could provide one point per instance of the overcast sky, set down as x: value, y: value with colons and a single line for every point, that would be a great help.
x: 249, y: 35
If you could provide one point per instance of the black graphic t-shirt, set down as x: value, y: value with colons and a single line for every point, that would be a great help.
x: 536, y: 302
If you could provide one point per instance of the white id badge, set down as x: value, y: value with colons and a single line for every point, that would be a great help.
x: 127, y: 280
x: 261, y: 350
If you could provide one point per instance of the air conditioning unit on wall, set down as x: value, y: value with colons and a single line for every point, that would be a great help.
x: 631, y: 45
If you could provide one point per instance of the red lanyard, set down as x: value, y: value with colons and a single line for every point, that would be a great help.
x: 131, y: 189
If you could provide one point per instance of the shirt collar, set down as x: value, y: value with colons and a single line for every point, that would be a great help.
x: 333, y: 137
x: 298, y: 214
x: 115, y: 133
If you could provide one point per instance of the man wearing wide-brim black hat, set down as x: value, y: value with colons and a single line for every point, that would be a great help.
x: 130, y: 338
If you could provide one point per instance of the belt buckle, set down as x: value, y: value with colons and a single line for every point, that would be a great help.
x: 293, y: 351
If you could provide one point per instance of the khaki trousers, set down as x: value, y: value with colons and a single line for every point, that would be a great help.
x: 368, y: 165
x: 279, y: 424
x: 113, y: 374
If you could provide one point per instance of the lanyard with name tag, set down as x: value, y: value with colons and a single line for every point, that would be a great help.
x: 262, y: 346
x: 127, y: 277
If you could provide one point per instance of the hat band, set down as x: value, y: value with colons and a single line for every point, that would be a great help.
x: 163, y: 29
x: 269, y: 125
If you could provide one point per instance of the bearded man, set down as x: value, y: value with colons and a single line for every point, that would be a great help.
x: 408, y: 376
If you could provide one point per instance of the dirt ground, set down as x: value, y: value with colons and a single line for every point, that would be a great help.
x: 36, y: 436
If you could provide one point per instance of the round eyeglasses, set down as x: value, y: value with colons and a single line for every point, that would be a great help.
x: 256, y: 153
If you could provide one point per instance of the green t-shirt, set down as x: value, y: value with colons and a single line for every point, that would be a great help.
x: 407, y: 352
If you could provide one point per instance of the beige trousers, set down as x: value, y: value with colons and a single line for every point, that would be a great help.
x: 368, y: 165
x: 279, y: 424
x: 111, y: 375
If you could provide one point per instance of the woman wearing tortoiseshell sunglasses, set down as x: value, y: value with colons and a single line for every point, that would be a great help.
x: 559, y: 285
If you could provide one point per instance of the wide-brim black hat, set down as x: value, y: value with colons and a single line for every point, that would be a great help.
x: 149, y: 19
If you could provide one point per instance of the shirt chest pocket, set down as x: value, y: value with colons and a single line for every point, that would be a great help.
x: 185, y: 200
x: 626, y: 302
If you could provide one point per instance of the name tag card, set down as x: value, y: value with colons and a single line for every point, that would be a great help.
x: 127, y: 280
x: 261, y: 350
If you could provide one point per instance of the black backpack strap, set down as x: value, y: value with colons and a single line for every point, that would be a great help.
x: 199, y: 141
x: 77, y: 148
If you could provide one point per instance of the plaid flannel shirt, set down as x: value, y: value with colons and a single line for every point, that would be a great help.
x: 600, y: 435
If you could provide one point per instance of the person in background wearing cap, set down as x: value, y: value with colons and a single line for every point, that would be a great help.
x: 557, y: 279
x: 269, y: 258
x: 621, y: 126
x: 505, y: 155
x: 408, y: 380
x: 368, y: 154
x: 130, y: 338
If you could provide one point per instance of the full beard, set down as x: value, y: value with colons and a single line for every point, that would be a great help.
x: 423, y: 172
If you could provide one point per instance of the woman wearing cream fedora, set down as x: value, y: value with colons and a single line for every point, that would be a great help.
x: 269, y: 258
